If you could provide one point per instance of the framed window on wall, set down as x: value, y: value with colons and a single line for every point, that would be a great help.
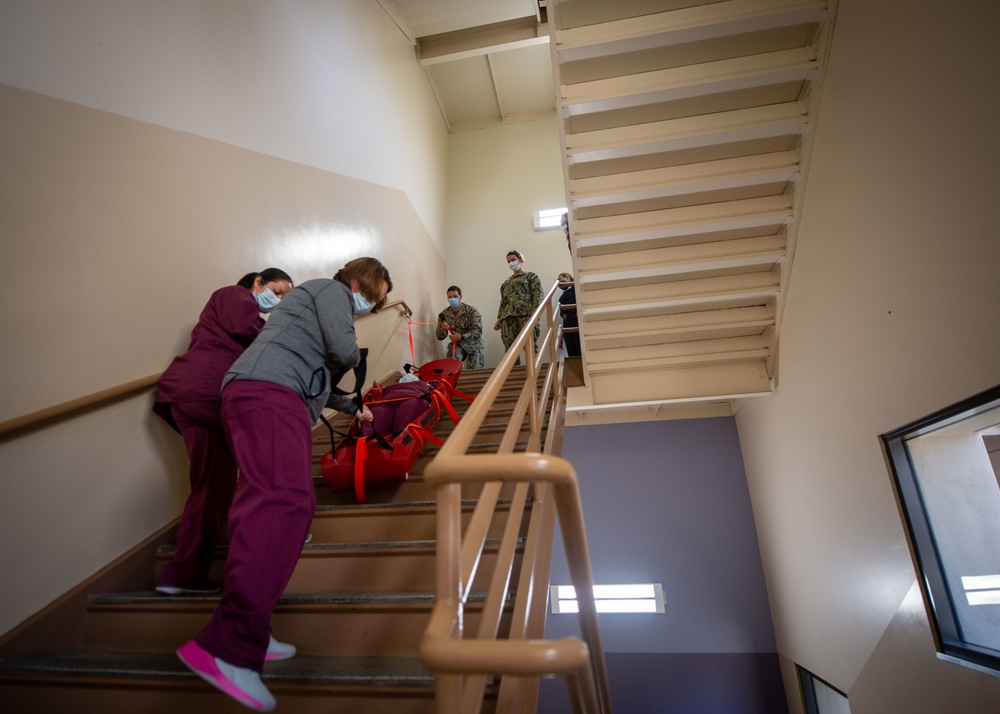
x: 946, y: 472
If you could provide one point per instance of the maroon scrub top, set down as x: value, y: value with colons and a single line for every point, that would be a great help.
x: 229, y: 323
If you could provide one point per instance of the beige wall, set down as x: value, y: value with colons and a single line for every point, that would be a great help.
x: 330, y: 84
x: 497, y: 178
x: 118, y: 230
x: 891, y: 314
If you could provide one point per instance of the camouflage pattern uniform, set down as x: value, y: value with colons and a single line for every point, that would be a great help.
x: 520, y: 295
x: 469, y: 325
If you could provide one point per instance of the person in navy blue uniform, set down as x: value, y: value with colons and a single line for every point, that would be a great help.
x: 569, y: 318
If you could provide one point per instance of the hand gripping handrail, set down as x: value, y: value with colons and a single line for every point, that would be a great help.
x: 463, y: 662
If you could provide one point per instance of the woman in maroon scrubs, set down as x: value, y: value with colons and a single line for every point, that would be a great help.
x: 188, y: 399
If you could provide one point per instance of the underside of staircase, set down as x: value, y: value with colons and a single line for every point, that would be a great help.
x: 356, y: 606
x: 686, y: 127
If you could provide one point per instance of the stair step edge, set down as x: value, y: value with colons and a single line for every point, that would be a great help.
x: 322, y: 597
x: 403, y: 506
x: 331, y: 670
x: 315, y: 548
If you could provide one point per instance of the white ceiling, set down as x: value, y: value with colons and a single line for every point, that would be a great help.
x: 488, y: 61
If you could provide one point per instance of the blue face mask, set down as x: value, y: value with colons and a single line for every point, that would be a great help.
x: 266, y: 300
x: 361, y: 304
x: 454, y: 302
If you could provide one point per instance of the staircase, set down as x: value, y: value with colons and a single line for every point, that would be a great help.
x: 356, y: 607
x: 686, y: 129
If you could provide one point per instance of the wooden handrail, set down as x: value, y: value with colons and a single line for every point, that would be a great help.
x: 76, y: 405
x: 42, y: 416
x: 463, y: 662
x: 401, y: 304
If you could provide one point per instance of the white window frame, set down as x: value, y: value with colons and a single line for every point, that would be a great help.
x: 633, y: 599
x: 547, y: 219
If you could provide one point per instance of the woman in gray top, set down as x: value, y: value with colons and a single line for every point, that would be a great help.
x: 271, y: 397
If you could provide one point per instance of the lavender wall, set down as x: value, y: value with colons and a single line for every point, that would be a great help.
x: 667, y: 502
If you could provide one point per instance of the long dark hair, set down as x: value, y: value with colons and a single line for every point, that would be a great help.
x: 267, y: 275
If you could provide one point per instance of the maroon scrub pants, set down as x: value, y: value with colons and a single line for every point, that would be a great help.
x: 213, y: 482
x: 271, y: 436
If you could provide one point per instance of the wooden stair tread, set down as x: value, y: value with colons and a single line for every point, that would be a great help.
x: 328, y: 597
x: 355, y: 638
x: 320, y: 548
x: 402, y: 507
x: 328, y: 670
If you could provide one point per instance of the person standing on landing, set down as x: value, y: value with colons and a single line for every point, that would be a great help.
x: 463, y: 326
x: 567, y: 309
x: 271, y: 397
x: 187, y: 398
x: 520, y: 295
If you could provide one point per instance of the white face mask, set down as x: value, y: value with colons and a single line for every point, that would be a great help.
x: 266, y: 300
x: 514, y: 265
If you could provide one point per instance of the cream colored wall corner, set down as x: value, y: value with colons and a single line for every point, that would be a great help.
x: 497, y: 179
x: 890, y: 316
x: 332, y: 84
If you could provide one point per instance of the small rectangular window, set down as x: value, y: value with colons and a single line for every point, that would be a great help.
x: 637, y: 598
x: 547, y: 218
x: 944, y: 469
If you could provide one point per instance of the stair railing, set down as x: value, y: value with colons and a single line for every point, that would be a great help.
x: 59, y: 411
x: 465, y: 663
x: 104, y: 397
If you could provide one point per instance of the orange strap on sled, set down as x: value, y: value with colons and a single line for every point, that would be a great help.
x: 440, y: 400
x: 422, y: 434
x: 360, y: 454
x: 454, y: 391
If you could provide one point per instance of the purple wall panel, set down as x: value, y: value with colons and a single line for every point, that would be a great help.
x: 667, y: 501
x: 683, y: 683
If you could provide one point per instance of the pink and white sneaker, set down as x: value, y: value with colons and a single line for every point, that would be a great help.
x: 277, y: 651
x: 241, y: 684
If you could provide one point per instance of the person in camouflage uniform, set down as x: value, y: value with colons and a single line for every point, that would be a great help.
x: 463, y: 326
x: 520, y: 295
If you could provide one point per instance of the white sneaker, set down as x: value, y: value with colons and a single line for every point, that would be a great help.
x: 202, y: 588
x: 241, y: 684
x: 277, y: 651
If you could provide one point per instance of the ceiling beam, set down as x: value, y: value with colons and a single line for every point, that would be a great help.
x: 481, y: 41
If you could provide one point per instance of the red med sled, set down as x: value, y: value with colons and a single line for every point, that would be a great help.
x: 383, y: 452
